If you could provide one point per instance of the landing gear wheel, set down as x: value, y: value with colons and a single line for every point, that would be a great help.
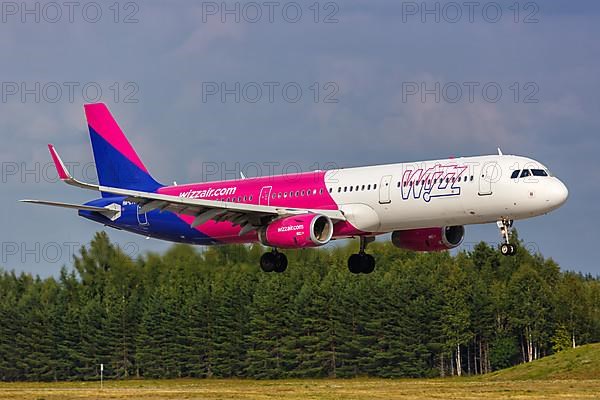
x: 282, y: 263
x: 273, y: 261
x: 354, y: 264
x: 513, y: 250
x: 361, y: 263
x: 268, y: 262
x: 368, y: 265
x: 505, y: 249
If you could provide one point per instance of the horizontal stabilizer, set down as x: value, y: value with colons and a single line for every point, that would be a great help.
x: 113, y: 211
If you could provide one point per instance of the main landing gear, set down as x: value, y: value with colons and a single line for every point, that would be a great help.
x: 506, y: 248
x: 362, y: 262
x: 273, y: 261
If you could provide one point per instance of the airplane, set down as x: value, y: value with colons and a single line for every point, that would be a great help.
x: 424, y: 205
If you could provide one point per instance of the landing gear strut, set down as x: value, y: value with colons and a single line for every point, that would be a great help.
x: 273, y: 261
x: 506, y: 248
x: 362, y: 262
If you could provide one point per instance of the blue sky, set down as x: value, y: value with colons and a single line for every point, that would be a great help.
x: 545, y: 59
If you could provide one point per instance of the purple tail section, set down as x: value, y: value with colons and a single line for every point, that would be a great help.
x: 117, y: 163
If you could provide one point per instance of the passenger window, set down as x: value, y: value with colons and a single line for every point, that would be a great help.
x: 320, y: 191
x: 350, y: 188
x: 471, y: 178
x: 374, y: 186
x: 515, y: 174
x: 525, y: 173
x: 363, y: 187
x: 339, y: 189
x: 465, y: 179
x: 369, y: 187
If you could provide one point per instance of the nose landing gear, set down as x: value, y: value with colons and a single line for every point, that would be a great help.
x: 362, y: 262
x: 505, y: 226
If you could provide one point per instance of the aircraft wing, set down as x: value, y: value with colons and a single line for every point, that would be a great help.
x: 248, y: 216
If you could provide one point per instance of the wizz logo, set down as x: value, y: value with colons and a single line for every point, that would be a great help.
x: 437, y: 181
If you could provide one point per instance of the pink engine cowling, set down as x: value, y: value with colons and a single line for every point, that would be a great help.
x: 429, y: 239
x: 299, y: 231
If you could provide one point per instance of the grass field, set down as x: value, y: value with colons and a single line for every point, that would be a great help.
x: 573, y: 374
x: 308, y: 389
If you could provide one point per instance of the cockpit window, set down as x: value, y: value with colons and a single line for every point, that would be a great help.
x: 515, y: 174
x: 539, y: 172
x: 525, y: 173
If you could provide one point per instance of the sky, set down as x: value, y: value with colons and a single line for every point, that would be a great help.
x: 205, y: 89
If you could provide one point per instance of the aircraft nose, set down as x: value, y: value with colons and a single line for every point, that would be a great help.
x: 558, y: 194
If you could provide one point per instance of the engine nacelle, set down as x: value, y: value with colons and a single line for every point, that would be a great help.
x: 296, y: 232
x: 429, y: 239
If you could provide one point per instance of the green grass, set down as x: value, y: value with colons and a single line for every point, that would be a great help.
x: 579, y: 363
x: 326, y: 389
x: 572, y: 374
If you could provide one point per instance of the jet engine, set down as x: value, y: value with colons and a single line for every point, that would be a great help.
x: 298, y: 231
x: 429, y: 239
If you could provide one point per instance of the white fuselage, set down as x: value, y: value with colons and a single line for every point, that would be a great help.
x: 458, y: 191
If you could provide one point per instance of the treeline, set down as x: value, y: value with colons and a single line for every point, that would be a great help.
x: 215, y: 314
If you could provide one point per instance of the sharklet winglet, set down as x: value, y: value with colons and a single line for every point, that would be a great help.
x: 64, y: 174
